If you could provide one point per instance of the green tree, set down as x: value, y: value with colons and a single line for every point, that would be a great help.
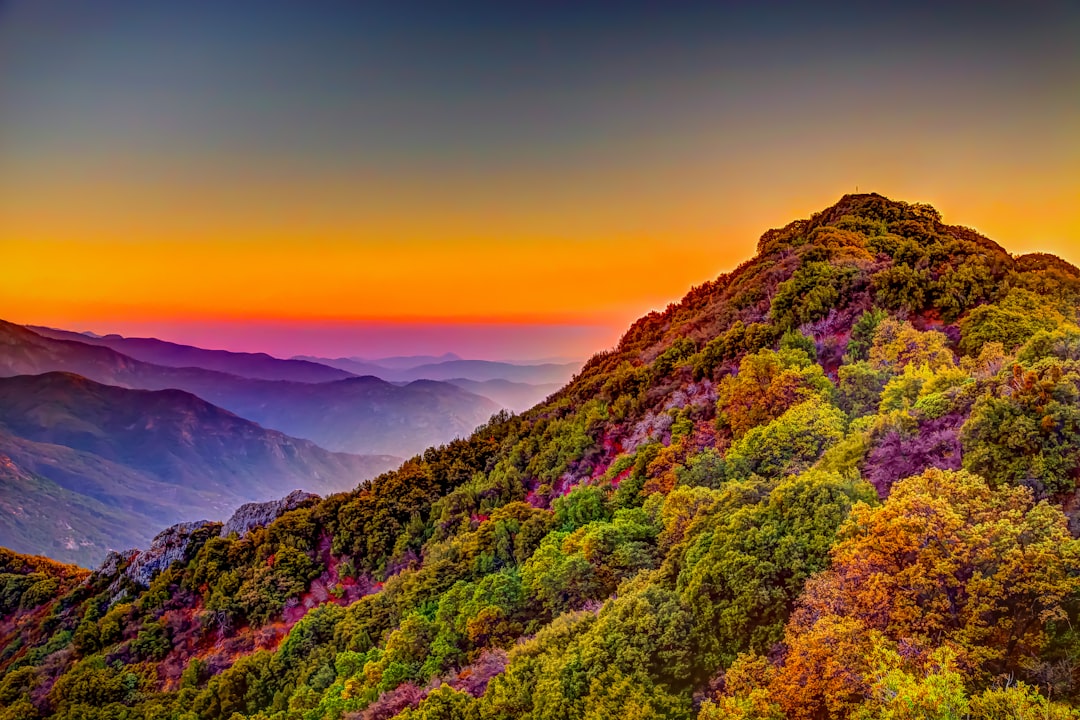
x: 742, y: 575
x: 1011, y: 322
x: 788, y: 444
x: 898, y: 344
x: 1027, y: 429
x: 862, y: 335
x: 860, y: 388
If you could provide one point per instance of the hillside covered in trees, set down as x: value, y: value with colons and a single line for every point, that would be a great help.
x: 838, y: 482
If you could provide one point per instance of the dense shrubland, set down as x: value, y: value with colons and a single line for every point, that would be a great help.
x: 839, y: 482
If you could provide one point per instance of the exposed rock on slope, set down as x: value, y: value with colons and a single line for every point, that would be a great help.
x: 253, y: 515
x: 166, y: 548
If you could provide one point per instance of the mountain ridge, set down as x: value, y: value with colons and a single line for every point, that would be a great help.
x: 836, y: 482
x: 369, y: 417
x: 141, y: 458
x: 474, y: 370
x: 257, y: 366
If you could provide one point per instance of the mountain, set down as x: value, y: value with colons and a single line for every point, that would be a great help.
x: 840, y: 481
x: 38, y: 515
x: 404, y: 362
x: 354, y: 366
x: 90, y: 467
x: 484, y: 370
x: 514, y: 396
x: 475, y: 370
x: 259, y: 366
x: 49, y: 502
x: 375, y: 366
x: 362, y: 415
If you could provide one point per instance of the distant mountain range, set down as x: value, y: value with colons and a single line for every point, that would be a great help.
x: 258, y: 366
x: 514, y: 396
x: 106, y: 439
x: 364, y: 415
x: 87, y: 467
x: 361, y: 414
x: 403, y: 362
x: 475, y: 370
x: 514, y: 386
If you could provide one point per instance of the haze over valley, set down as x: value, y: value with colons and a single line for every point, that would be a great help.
x: 104, y: 440
x: 539, y: 361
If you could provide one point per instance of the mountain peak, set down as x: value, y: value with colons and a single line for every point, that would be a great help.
x: 815, y: 449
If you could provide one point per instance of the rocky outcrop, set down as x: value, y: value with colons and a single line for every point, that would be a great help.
x: 253, y: 515
x: 114, y: 560
x: 166, y: 548
x: 171, y: 544
x: 140, y: 566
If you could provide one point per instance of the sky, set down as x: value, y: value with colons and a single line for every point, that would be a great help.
x: 507, y: 180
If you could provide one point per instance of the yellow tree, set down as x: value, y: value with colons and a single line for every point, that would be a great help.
x: 950, y: 560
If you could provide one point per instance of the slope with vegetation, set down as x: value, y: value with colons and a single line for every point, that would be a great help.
x: 838, y: 482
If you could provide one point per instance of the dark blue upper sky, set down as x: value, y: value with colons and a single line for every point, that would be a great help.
x: 430, y: 147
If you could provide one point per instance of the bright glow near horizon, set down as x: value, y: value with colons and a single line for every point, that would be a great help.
x: 505, y: 182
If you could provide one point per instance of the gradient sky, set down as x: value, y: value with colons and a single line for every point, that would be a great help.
x: 500, y: 180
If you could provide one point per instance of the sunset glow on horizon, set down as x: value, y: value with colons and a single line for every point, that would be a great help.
x: 523, y: 185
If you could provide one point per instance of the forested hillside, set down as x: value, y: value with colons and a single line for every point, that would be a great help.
x: 838, y: 482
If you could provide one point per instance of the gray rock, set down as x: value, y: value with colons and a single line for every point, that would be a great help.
x: 111, y: 564
x: 253, y: 515
x: 172, y: 543
x: 166, y: 548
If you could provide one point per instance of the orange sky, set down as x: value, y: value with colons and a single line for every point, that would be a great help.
x: 576, y: 169
x: 84, y: 267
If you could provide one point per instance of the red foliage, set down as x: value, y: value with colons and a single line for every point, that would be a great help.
x: 896, y: 455
x: 621, y: 476
x: 392, y: 702
x: 220, y: 647
x: 474, y: 679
